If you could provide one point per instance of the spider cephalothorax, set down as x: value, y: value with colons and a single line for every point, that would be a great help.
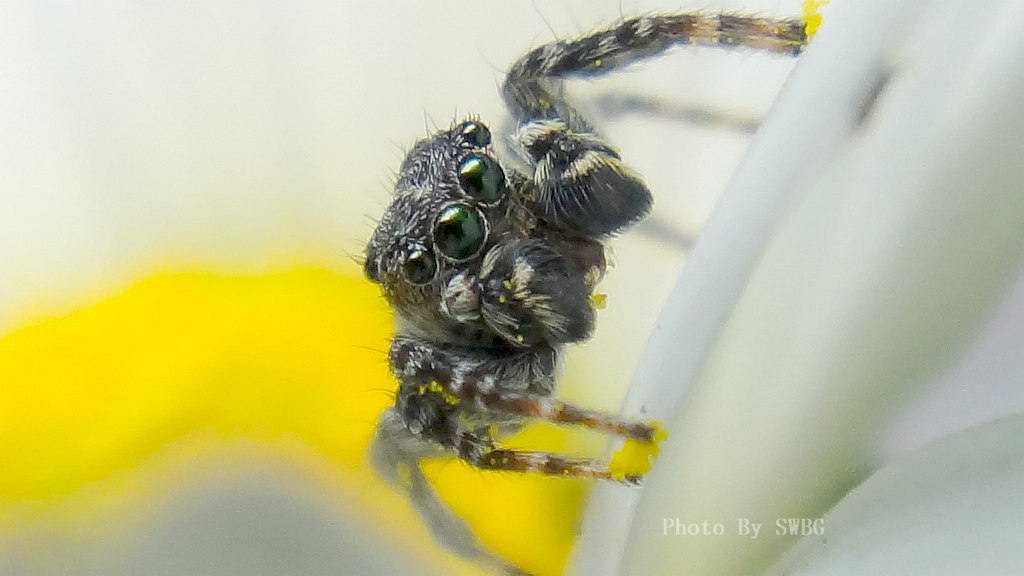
x: 463, y: 259
x: 467, y: 254
x: 490, y: 263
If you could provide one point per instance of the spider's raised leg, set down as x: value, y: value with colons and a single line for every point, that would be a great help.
x: 581, y: 183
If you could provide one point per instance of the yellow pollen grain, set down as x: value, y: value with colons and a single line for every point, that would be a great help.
x: 812, y: 16
x: 635, y: 458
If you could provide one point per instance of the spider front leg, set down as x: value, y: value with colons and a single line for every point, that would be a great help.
x: 454, y: 396
x: 581, y: 183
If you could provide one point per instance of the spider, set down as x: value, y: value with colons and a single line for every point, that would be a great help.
x: 490, y: 264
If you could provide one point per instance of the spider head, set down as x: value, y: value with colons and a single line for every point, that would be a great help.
x: 462, y: 260
x: 450, y: 205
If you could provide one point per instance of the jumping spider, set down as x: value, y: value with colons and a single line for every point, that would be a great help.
x: 490, y: 262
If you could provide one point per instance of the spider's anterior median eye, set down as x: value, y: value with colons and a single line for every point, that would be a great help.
x: 420, y: 267
x: 482, y: 178
x: 459, y: 232
x: 476, y: 134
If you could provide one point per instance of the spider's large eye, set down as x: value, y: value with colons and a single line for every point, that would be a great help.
x: 482, y: 178
x: 459, y: 232
x: 419, y: 267
x: 476, y: 134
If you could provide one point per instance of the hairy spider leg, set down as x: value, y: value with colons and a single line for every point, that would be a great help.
x: 582, y: 185
x: 532, y: 91
x: 424, y: 416
x: 453, y: 400
x: 397, y: 454
x: 556, y: 411
x: 441, y: 403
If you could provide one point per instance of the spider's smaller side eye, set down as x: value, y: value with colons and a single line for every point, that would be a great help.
x: 476, y: 134
x: 459, y: 232
x: 482, y: 178
x: 419, y: 267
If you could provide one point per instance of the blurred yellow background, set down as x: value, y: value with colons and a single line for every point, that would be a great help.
x: 109, y: 413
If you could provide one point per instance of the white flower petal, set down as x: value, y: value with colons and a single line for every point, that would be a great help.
x: 870, y: 230
x: 955, y: 507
